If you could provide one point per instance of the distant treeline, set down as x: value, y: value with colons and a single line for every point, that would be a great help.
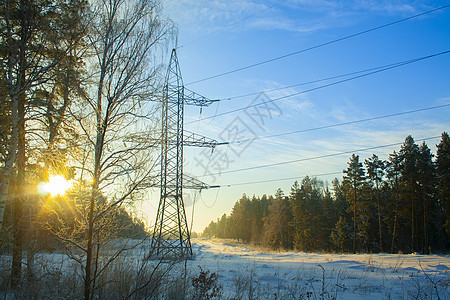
x: 402, y: 204
x: 61, y: 214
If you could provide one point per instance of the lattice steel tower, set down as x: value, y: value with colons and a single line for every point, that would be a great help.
x: 171, y: 237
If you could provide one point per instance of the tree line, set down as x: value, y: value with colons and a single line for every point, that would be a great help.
x: 398, y: 204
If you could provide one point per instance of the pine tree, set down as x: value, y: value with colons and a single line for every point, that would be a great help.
x: 443, y: 178
x: 329, y: 218
x: 393, y: 206
x: 258, y: 210
x: 375, y: 172
x: 409, y: 159
x: 307, y: 207
x: 240, y: 220
x: 342, y: 231
x: 340, y: 234
x: 354, y: 181
x: 426, y: 190
x: 278, y: 223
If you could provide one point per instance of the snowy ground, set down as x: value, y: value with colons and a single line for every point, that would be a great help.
x: 246, y: 273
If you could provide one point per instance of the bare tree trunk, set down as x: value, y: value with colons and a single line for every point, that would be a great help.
x: 354, y: 219
x: 88, y: 271
x: 425, y: 229
x: 14, y: 90
x: 19, y: 199
x: 394, y: 230
x: 412, y: 217
x: 379, y: 219
x: 5, y: 178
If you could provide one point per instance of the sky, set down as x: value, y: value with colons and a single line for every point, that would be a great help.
x: 359, y: 75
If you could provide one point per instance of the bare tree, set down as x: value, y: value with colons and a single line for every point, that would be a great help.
x: 123, y: 79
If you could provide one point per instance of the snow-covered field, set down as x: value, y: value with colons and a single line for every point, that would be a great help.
x: 248, y: 273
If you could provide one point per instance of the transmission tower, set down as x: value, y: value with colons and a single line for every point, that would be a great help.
x: 171, y: 237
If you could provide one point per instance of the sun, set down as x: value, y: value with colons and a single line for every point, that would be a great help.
x: 56, y: 185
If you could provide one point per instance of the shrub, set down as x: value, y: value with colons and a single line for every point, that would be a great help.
x: 206, y: 285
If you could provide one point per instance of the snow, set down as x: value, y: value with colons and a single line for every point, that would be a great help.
x: 259, y: 273
x: 246, y: 272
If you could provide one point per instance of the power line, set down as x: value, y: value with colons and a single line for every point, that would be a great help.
x: 316, y: 157
x: 319, y: 45
x: 377, y: 70
x: 233, y: 23
x: 341, y: 124
x: 279, y: 179
x: 313, y: 81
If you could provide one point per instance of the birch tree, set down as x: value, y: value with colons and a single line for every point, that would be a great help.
x: 123, y: 74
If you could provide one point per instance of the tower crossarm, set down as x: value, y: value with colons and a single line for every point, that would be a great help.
x: 189, y: 182
x: 193, y: 98
x: 193, y: 139
x: 189, y: 139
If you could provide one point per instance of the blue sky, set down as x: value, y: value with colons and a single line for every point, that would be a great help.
x: 215, y: 37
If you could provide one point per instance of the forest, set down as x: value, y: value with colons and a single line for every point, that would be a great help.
x: 398, y: 205
x: 78, y: 83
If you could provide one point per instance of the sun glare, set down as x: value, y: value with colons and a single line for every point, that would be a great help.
x: 56, y: 185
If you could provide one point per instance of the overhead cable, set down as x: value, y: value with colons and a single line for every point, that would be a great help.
x: 316, y: 157
x: 311, y: 82
x: 278, y: 179
x: 340, y: 124
x: 319, y: 45
x: 326, y: 85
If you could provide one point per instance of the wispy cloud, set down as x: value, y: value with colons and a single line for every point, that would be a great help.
x: 285, y: 24
x: 389, y: 7
x: 206, y: 16
x: 343, y: 139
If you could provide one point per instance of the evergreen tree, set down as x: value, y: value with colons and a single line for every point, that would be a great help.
x: 259, y: 208
x: 409, y: 159
x: 341, y: 234
x: 342, y: 231
x: 329, y: 218
x: 427, y: 199
x: 240, y: 220
x: 393, y: 169
x: 298, y: 210
x: 354, y: 182
x: 278, y: 223
x: 443, y: 177
x: 210, y: 230
x: 306, y: 203
x: 375, y: 172
x: 222, y: 227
